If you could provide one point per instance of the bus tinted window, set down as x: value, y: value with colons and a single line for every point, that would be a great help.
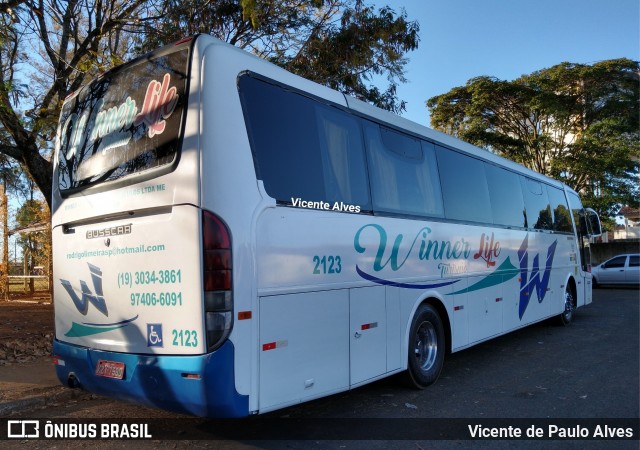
x: 343, y: 157
x: 125, y: 122
x: 576, y: 209
x: 561, y: 215
x: 303, y: 149
x: 536, y: 201
x: 403, y: 171
x: 505, y: 192
x: 464, y: 187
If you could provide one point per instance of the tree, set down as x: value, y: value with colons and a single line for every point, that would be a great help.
x: 573, y: 122
x: 12, y: 180
x: 342, y: 44
x: 32, y: 221
x: 49, y: 48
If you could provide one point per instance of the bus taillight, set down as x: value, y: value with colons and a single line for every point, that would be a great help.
x: 217, y: 270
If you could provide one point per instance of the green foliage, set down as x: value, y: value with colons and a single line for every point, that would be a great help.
x: 573, y: 122
x: 366, y: 43
x: 342, y: 44
x: 28, y: 213
x: 35, y: 244
x: 47, y: 51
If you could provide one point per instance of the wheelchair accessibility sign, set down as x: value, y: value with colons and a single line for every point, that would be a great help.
x: 154, y: 335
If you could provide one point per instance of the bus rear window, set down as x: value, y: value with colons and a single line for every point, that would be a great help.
x: 125, y: 122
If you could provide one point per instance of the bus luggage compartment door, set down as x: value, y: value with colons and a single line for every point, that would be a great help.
x: 304, y: 346
x: 368, y: 333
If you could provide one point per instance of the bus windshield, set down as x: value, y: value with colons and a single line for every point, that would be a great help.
x: 125, y: 122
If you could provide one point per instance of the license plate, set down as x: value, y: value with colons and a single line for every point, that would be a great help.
x: 110, y: 369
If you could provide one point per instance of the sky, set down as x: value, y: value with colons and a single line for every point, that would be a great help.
x: 462, y: 39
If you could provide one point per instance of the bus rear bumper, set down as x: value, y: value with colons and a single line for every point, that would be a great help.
x: 201, y: 385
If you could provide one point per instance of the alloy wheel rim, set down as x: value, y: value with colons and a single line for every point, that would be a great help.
x: 426, y: 346
x: 568, y: 305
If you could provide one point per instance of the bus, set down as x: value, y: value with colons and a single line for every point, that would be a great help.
x: 230, y: 239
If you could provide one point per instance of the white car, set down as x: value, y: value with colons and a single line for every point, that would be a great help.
x: 621, y: 269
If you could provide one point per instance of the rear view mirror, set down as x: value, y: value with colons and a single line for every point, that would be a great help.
x: 590, y: 223
x: 593, y: 223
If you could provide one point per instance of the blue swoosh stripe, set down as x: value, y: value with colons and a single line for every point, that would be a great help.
x: 377, y: 280
x: 123, y: 322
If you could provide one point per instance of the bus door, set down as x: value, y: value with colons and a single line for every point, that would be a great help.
x: 587, y: 225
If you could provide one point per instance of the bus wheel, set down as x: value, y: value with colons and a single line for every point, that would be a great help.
x: 569, y: 306
x: 426, y: 348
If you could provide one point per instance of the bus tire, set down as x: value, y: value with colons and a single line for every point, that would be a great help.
x: 566, y: 317
x: 426, y: 348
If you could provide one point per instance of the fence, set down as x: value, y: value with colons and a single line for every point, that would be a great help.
x: 21, y: 286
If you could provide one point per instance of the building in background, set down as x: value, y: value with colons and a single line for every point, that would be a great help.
x: 631, y: 227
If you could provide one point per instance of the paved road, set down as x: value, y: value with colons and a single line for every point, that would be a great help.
x: 589, y: 370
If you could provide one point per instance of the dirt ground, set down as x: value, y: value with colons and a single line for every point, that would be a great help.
x: 26, y: 330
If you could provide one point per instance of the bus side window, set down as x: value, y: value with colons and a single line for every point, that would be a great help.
x: 302, y: 148
x: 464, y: 187
x: 537, y: 204
x: 505, y: 193
x: 342, y: 150
x: 404, y: 177
x: 561, y: 215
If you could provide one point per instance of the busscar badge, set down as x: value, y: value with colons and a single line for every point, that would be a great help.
x: 110, y: 231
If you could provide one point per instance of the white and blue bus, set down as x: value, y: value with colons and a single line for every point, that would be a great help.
x: 230, y: 238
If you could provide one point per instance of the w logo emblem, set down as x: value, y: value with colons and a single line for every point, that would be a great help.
x: 96, y: 299
x: 535, y: 282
